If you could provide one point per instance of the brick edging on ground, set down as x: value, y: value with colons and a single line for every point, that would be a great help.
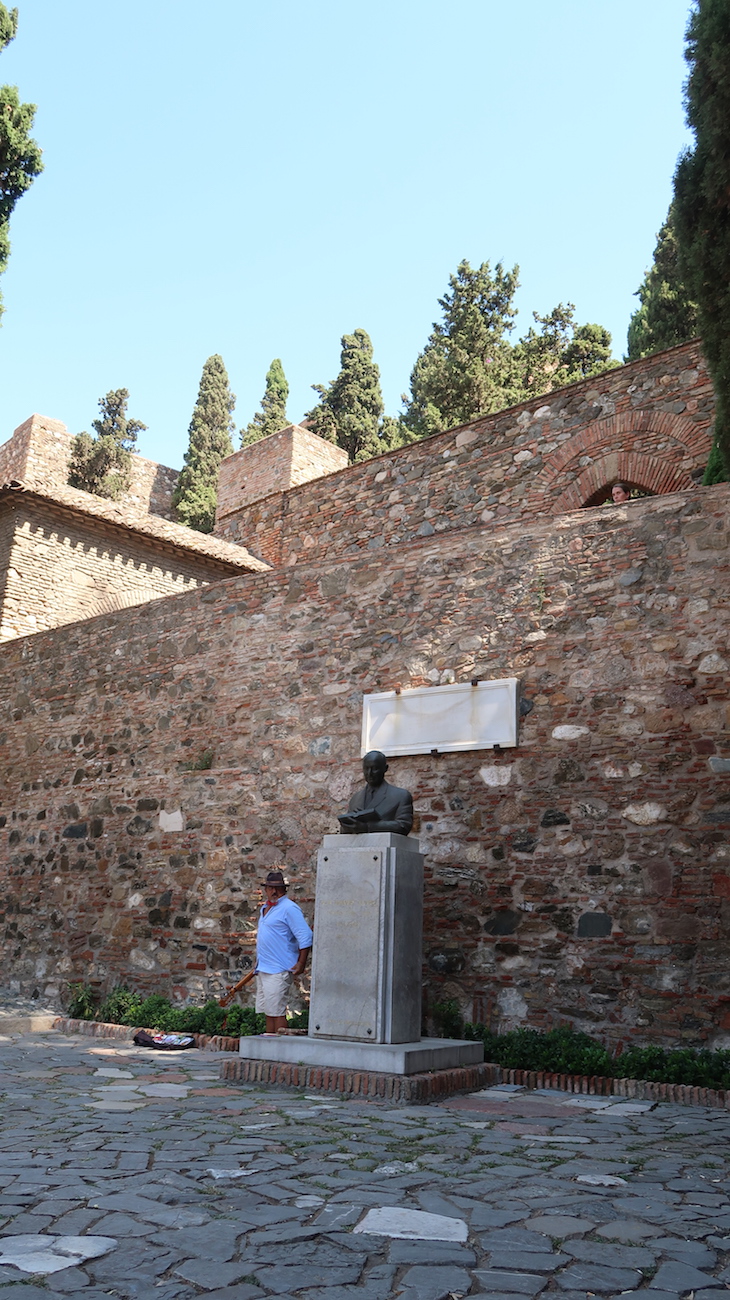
x: 416, y: 1087
x: 99, y: 1029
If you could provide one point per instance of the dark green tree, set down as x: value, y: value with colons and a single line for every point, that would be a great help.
x: 103, y: 464
x: 667, y: 314
x: 350, y: 410
x: 272, y: 416
x: 702, y: 205
x: 465, y: 369
x: 559, y: 353
x: 20, y: 157
x: 209, y: 440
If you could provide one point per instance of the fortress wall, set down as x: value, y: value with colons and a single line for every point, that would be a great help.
x: 282, y: 460
x: 60, y: 568
x: 583, y: 876
x: 39, y: 452
x: 647, y: 421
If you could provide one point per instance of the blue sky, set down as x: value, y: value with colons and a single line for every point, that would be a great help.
x: 259, y: 179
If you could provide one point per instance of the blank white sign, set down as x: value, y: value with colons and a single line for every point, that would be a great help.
x: 459, y: 716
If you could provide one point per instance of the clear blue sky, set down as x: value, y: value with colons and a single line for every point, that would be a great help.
x: 257, y: 179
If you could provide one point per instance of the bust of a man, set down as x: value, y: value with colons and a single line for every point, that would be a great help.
x: 379, y: 806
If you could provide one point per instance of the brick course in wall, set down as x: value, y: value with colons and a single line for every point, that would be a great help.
x: 583, y: 876
x: 648, y: 422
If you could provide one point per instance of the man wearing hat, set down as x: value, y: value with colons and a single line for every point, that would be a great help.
x: 283, y: 944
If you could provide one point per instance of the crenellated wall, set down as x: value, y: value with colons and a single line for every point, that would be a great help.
x: 583, y: 876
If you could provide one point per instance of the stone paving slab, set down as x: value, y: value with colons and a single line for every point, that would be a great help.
x: 505, y: 1164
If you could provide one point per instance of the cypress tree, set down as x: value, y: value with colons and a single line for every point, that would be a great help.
x: 209, y: 440
x: 667, y: 315
x: 272, y: 416
x: 465, y: 369
x: 20, y: 157
x: 350, y: 411
x: 103, y: 465
x: 702, y: 206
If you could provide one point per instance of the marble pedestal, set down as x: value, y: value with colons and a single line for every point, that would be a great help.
x: 368, y: 939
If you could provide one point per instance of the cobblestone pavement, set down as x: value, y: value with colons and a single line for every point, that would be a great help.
x: 132, y: 1173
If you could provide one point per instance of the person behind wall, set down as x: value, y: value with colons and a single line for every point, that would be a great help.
x: 283, y: 944
x: 620, y: 492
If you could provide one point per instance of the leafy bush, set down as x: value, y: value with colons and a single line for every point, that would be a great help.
x: 447, y: 1018
x: 696, y: 1066
x: 117, y: 1005
x: 569, y: 1051
x: 83, y: 1002
x: 559, y: 1051
x: 244, y: 1022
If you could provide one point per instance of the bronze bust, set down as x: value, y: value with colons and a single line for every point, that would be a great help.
x: 379, y: 806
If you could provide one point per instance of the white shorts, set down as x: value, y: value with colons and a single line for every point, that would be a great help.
x: 272, y: 992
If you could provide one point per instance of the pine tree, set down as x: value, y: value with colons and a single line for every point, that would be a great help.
x: 20, y: 157
x: 209, y: 441
x: 559, y: 353
x: 667, y: 315
x: 702, y: 205
x: 272, y: 416
x: 103, y: 465
x: 350, y: 411
x: 465, y: 368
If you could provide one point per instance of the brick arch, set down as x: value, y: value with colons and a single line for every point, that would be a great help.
x: 655, y: 450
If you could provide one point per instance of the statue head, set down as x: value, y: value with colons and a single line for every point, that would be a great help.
x: 374, y: 767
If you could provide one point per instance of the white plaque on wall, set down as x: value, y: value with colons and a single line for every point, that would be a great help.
x: 444, y: 718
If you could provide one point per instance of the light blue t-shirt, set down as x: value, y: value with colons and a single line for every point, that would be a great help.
x: 282, y: 932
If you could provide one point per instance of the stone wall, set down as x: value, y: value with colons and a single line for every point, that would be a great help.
x: 647, y: 422
x: 273, y: 465
x: 58, y: 567
x: 583, y: 876
x: 39, y: 451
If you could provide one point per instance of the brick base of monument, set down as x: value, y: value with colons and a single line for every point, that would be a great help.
x: 414, y: 1088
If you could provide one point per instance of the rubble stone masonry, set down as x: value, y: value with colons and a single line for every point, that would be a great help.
x: 582, y: 876
x: 648, y: 422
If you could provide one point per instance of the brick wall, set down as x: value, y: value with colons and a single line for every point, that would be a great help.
x: 58, y: 568
x: 583, y: 876
x: 39, y: 451
x: 647, y: 422
x: 273, y: 465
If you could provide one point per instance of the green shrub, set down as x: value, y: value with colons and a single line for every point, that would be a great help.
x: 447, y: 1018
x: 83, y: 1002
x: 569, y: 1051
x: 244, y: 1022
x: 117, y: 1005
x: 559, y: 1051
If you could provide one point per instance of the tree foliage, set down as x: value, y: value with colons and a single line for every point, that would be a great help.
x: 465, y: 367
x: 272, y: 416
x: 20, y: 156
x: 209, y: 440
x: 350, y: 410
x: 469, y: 367
x: 103, y: 464
x: 559, y: 353
x: 702, y: 201
x: 667, y: 314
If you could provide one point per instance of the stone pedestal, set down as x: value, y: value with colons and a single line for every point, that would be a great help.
x: 365, y: 1009
x: 366, y: 960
